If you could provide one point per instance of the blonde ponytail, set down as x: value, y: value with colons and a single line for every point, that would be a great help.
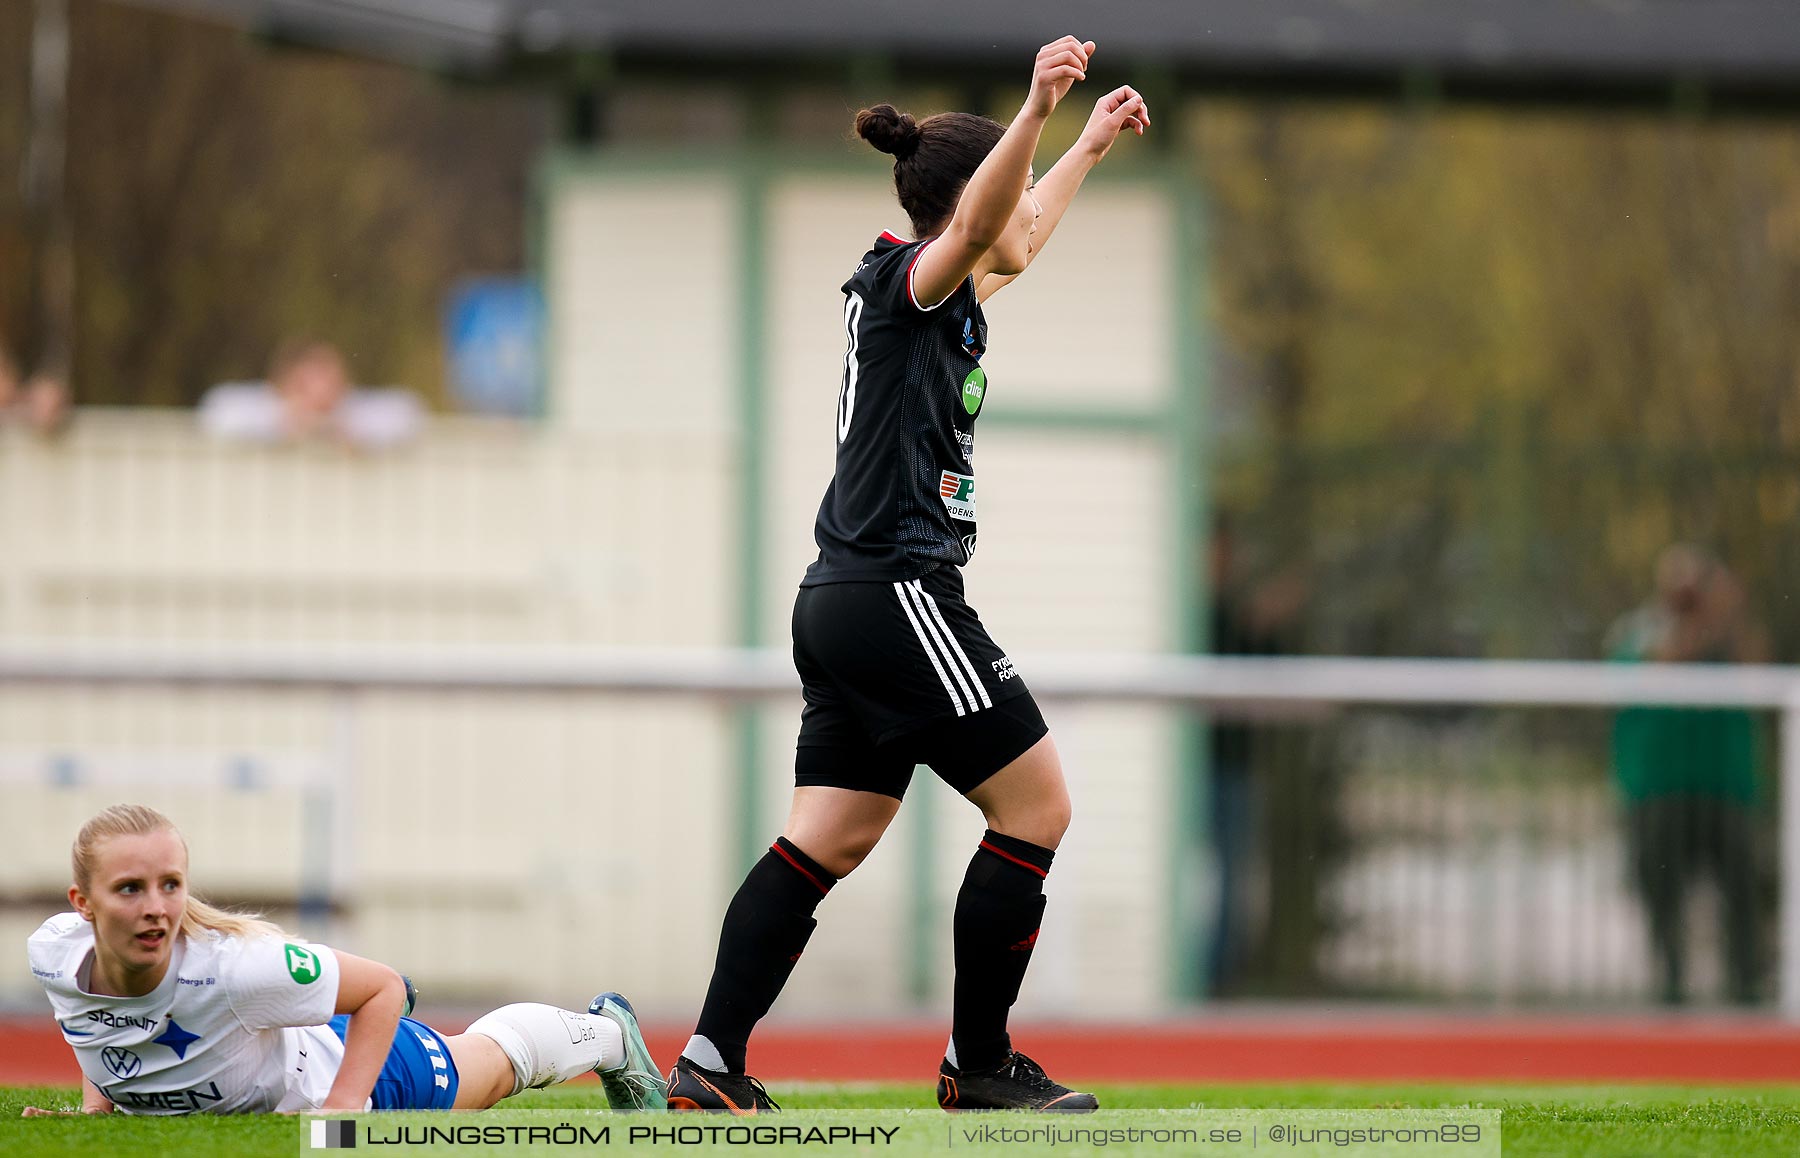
x: 200, y: 915
x: 141, y: 820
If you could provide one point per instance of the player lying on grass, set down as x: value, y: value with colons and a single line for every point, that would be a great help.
x: 173, y: 1007
x: 896, y: 668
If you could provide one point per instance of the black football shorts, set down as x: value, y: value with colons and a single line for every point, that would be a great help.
x: 901, y: 674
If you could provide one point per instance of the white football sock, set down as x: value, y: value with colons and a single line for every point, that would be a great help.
x: 547, y: 1045
x: 703, y: 1053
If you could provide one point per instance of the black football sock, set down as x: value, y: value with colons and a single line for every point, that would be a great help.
x: 997, y: 914
x: 766, y: 928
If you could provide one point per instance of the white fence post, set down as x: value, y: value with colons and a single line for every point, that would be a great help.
x: 327, y: 838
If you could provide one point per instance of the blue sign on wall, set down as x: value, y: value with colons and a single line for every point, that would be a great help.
x: 493, y: 335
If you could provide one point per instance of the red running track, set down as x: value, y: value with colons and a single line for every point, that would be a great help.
x: 1233, y: 1048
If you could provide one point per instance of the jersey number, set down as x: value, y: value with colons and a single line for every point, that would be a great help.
x: 853, y: 308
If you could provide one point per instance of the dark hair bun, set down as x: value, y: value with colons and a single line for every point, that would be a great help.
x: 889, y: 130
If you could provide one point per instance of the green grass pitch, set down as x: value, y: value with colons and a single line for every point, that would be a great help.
x: 1560, y: 1121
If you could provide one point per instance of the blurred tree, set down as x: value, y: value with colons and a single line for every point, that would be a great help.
x: 15, y: 127
x: 1514, y: 355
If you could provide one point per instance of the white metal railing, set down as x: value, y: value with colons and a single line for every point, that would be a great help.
x: 1225, y: 685
x: 1210, y: 681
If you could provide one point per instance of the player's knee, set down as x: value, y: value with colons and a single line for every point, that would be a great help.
x: 1041, y: 819
x: 844, y: 851
x: 1052, y: 818
x: 1065, y: 814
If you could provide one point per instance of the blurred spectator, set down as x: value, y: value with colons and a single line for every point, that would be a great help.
x: 1689, y: 775
x: 40, y: 404
x: 45, y: 405
x: 309, y: 396
x: 1247, y: 619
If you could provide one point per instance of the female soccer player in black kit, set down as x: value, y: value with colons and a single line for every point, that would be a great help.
x: 897, y: 669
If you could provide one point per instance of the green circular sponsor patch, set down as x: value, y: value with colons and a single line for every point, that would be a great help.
x: 974, y: 389
x: 302, y: 964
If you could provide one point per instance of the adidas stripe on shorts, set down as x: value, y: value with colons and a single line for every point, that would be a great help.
x: 899, y: 674
x: 419, y: 1073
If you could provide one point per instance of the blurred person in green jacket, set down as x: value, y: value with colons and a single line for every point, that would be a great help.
x: 1689, y: 776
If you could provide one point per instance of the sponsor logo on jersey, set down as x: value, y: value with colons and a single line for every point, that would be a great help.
x: 51, y: 975
x: 969, y: 546
x: 189, y: 1100
x: 958, y: 493
x: 974, y: 339
x: 302, y: 964
x: 176, y: 1038
x: 197, y: 982
x: 1003, y: 668
x: 121, y: 1021
x: 974, y: 390
x: 121, y: 1063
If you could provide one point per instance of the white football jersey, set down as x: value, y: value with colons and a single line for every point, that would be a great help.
x: 236, y: 1026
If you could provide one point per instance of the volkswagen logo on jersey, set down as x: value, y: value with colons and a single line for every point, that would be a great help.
x: 121, y: 1063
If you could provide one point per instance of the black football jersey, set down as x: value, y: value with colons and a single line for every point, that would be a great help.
x: 902, y: 500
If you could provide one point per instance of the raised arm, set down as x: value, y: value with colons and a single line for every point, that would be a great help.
x: 1114, y: 113
x: 992, y: 194
x: 373, y: 995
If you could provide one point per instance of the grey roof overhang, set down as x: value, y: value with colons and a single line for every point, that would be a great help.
x: 1728, y: 51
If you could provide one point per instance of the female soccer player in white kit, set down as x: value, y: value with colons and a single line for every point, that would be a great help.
x: 173, y: 1007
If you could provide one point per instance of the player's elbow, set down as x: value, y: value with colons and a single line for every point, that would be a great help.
x: 392, y: 985
x: 371, y: 987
